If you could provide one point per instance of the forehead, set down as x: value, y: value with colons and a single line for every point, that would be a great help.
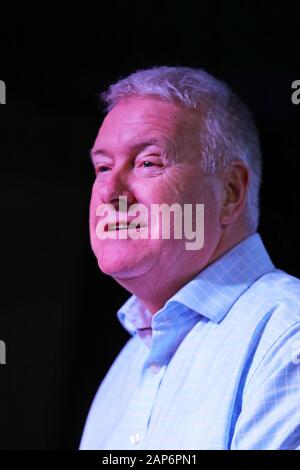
x: 135, y: 118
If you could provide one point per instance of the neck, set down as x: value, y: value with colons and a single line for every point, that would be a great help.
x: 154, y: 288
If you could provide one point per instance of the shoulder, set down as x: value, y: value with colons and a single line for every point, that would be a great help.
x: 277, y: 293
x: 280, y: 322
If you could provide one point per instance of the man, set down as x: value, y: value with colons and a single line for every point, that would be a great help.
x: 212, y: 362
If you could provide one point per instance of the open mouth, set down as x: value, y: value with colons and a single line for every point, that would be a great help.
x: 116, y: 226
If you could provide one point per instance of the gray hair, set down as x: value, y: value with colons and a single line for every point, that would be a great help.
x: 227, y: 130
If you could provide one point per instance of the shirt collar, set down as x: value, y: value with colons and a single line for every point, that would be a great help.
x: 214, y: 290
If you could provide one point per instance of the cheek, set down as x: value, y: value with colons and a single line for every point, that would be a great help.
x: 212, y: 224
x: 92, y: 210
x: 167, y: 189
x: 95, y: 199
x: 94, y: 203
x: 174, y: 185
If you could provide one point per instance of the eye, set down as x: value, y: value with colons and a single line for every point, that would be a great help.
x: 148, y: 164
x: 101, y: 169
x: 157, y: 163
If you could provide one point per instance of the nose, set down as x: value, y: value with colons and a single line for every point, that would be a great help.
x: 114, y: 186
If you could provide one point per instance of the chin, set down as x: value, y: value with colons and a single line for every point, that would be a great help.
x: 121, y: 266
x: 111, y: 264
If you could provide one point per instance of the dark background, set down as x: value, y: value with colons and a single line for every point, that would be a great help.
x: 57, y: 311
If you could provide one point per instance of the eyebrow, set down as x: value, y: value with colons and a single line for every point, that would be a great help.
x: 101, y: 152
x: 137, y: 147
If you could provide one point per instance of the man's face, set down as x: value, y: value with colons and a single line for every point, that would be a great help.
x: 148, y: 150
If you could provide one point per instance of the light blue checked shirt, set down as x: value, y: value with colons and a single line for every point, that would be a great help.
x: 222, y: 370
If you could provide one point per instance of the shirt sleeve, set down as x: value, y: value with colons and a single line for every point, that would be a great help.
x: 269, y: 418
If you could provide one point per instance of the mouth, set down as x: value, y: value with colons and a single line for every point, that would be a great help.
x: 116, y: 226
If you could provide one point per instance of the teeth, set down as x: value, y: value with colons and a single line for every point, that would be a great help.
x: 122, y: 226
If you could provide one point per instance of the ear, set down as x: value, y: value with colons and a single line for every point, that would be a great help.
x: 235, y: 184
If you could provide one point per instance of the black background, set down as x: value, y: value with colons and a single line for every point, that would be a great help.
x: 57, y: 311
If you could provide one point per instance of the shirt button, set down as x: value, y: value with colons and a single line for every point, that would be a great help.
x: 155, y: 368
x: 135, y: 438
